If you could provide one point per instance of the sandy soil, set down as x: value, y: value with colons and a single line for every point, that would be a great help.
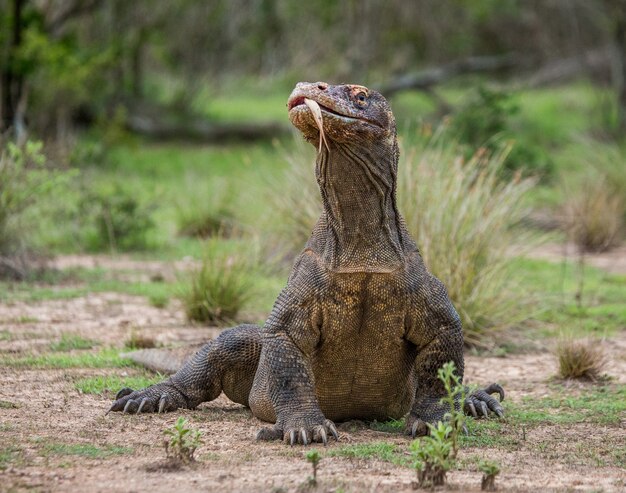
x: 49, y: 411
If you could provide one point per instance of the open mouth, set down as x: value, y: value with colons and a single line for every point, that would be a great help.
x: 299, y: 101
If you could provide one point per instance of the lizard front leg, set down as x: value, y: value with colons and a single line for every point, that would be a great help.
x: 437, y: 333
x: 290, y: 337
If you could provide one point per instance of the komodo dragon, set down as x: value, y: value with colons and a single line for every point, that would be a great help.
x: 362, y: 327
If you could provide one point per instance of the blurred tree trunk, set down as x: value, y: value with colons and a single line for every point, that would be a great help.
x: 620, y: 63
x: 616, y: 12
x: 12, y: 81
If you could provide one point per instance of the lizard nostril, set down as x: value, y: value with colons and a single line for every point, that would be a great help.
x: 322, y: 86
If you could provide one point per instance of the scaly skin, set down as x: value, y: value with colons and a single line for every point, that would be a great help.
x: 362, y: 327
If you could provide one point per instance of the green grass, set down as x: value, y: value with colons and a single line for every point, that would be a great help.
x: 601, y: 310
x: 8, y: 455
x: 69, y: 342
x: 86, y: 450
x: 387, y: 452
x: 105, y: 358
x: 112, y: 383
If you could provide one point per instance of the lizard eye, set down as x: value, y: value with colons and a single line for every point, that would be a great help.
x: 361, y: 99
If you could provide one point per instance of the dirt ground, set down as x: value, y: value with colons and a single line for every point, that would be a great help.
x: 42, y: 409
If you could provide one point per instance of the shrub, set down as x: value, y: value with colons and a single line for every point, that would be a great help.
x: 580, y: 358
x: 116, y: 219
x: 24, y: 181
x: 594, y: 212
x: 486, y: 121
x: 219, y: 287
x: 461, y: 215
x: 181, y: 441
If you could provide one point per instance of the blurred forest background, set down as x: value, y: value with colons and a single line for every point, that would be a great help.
x: 159, y: 128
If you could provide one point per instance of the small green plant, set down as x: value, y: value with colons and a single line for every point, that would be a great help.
x: 455, y: 394
x: 219, y: 287
x: 580, y: 358
x: 432, y: 454
x: 314, y: 458
x: 490, y: 470
x: 435, y: 454
x: 181, y: 441
x: 158, y: 300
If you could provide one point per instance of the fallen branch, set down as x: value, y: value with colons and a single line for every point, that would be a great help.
x: 425, y: 79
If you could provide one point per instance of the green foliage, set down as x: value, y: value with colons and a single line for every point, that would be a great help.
x: 68, y: 342
x: 105, y: 358
x: 181, y: 441
x: 490, y: 470
x: 220, y: 286
x: 116, y: 219
x: 313, y: 457
x: 485, y: 122
x: 461, y: 214
x: 455, y: 395
x: 112, y: 383
x: 384, y: 451
x: 435, y: 454
x: 24, y: 181
x: 158, y: 300
x: 580, y: 358
x: 86, y: 450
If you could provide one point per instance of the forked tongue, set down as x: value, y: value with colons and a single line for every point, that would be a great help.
x: 316, y: 111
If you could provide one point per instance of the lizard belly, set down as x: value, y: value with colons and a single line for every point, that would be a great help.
x: 364, y: 366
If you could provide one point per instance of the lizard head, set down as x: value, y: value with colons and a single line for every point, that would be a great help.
x: 343, y: 114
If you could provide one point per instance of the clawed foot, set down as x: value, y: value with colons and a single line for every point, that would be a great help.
x: 480, y: 402
x: 301, y: 434
x: 155, y: 399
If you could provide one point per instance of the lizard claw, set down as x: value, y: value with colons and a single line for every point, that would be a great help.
x: 162, y: 397
x: 482, y: 401
x: 303, y: 435
x: 292, y: 437
x: 162, y: 403
x: 333, y: 430
x: 127, y: 408
x: 305, y: 441
x: 142, y: 404
x: 123, y: 393
x: 418, y: 428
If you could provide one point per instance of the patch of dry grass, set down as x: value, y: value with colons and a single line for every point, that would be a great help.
x: 461, y: 214
x: 594, y: 213
x: 219, y: 287
x: 580, y: 358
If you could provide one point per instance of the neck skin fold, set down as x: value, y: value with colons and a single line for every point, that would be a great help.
x: 358, y: 188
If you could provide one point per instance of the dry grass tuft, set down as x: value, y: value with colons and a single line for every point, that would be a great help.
x: 461, y: 213
x: 594, y: 213
x: 220, y: 286
x: 580, y: 359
